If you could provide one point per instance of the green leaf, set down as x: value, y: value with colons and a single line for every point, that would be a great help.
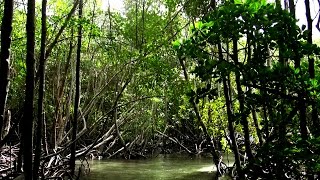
x: 155, y: 99
x: 263, y: 2
x: 209, y: 24
x: 254, y: 7
x: 198, y: 25
x: 238, y: 1
x: 176, y: 44
x: 314, y: 82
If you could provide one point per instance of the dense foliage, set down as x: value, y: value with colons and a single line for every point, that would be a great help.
x: 201, y: 77
x: 261, y: 48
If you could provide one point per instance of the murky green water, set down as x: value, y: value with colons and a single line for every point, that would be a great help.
x: 160, y: 168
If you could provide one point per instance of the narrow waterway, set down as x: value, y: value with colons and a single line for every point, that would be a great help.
x: 160, y: 168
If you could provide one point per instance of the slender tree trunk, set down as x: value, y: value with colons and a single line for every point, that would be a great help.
x: 309, y: 37
x: 143, y: 22
x: 198, y: 115
x: 55, y: 88
x: 314, y: 113
x: 253, y: 108
x: 292, y: 8
x: 213, y: 4
x: 110, y: 20
x: 303, y: 120
x: 115, y: 118
x: 256, y: 124
x: 77, y: 96
x: 301, y: 104
x: 65, y: 24
x: 6, y: 29
x: 230, y: 125
x: 243, y: 120
x: 137, y: 40
x: 42, y: 72
x: 20, y: 159
x: 315, y: 118
x: 61, y: 122
x: 281, y: 128
x: 286, y: 6
x: 27, y: 123
x: 278, y: 4
x: 227, y: 95
x: 44, y: 137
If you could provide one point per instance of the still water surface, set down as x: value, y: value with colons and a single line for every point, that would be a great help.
x: 160, y: 168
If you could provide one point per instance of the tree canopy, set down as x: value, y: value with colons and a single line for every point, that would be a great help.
x: 80, y: 81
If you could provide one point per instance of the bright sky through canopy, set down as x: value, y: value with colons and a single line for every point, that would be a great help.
x: 301, y: 15
x: 116, y: 5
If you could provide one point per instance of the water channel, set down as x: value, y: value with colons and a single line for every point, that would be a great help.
x: 160, y: 168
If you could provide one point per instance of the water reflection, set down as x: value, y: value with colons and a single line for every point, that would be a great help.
x: 160, y: 168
